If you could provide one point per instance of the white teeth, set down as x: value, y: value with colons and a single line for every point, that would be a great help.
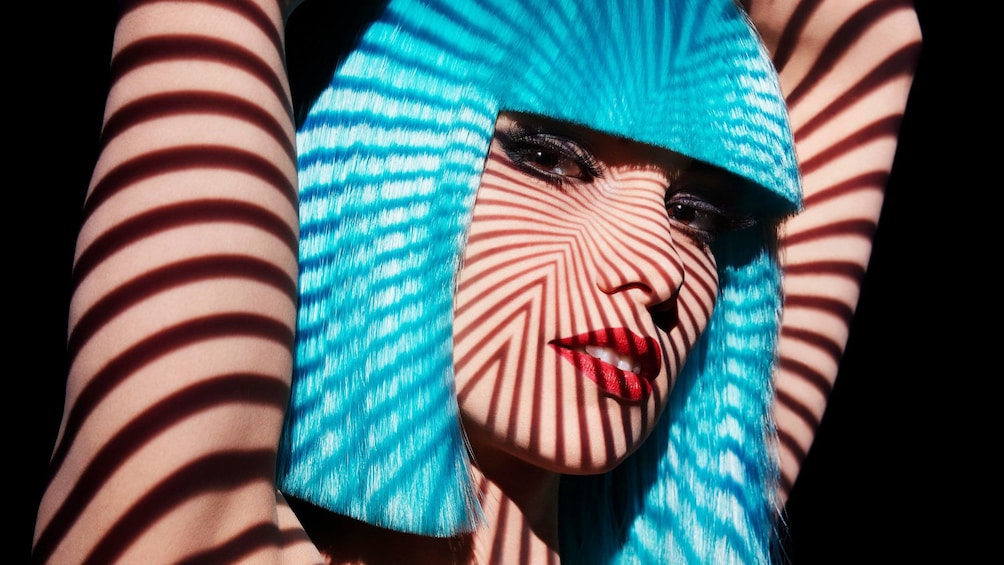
x: 611, y: 356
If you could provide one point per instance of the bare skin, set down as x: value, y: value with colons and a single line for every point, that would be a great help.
x: 158, y: 215
x: 551, y: 256
x: 846, y: 68
x: 603, y: 233
x: 138, y: 479
x: 559, y: 252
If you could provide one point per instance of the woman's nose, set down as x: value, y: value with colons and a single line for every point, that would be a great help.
x: 650, y: 272
x: 636, y: 253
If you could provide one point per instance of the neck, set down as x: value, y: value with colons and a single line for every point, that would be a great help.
x: 520, y: 502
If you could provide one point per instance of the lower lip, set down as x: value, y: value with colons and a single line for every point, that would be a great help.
x: 625, y: 385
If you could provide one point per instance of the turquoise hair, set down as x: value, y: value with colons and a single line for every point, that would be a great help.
x: 390, y: 159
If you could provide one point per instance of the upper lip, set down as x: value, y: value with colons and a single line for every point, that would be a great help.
x: 644, y: 351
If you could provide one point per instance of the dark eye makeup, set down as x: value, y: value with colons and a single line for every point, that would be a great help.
x: 550, y: 157
x: 701, y: 201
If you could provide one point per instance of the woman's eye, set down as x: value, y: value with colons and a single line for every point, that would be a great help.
x: 702, y: 219
x: 552, y: 158
x: 551, y: 162
x: 695, y: 215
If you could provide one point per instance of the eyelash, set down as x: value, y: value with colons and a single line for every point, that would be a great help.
x: 719, y: 221
x: 522, y: 146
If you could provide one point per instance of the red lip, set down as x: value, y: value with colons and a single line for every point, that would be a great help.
x: 627, y: 385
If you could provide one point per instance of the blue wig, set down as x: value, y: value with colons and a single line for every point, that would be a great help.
x: 390, y: 159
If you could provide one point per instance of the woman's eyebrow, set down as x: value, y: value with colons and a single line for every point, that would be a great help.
x: 544, y: 124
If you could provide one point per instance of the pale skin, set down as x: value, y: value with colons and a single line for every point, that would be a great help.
x: 846, y: 68
x: 574, y: 232
x: 623, y: 249
x: 249, y: 431
x: 561, y: 256
x: 153, y: 505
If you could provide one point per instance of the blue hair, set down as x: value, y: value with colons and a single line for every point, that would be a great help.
x: 699, y: 489
x: 390, y: 159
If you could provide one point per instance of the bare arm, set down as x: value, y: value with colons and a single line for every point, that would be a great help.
x: 846, y: 67
x: 182, y: 314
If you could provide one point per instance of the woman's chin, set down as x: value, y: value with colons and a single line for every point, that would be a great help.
x: 577, y: 463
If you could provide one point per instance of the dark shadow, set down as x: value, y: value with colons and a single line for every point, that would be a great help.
x: 870, y: 490
x: 319, y: 35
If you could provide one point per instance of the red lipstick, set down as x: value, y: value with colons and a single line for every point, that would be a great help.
x: 642, y: 353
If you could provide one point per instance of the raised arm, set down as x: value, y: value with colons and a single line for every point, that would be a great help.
x: 182, y: 314
x: 846, y: 67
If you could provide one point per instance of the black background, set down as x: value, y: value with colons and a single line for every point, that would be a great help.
x: 870, y: 491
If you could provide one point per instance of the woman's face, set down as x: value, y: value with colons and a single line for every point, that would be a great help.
x: 587, y: 278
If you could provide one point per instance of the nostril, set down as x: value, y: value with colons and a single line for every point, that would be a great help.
x: 665, y: 315
x: 645, y: 279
